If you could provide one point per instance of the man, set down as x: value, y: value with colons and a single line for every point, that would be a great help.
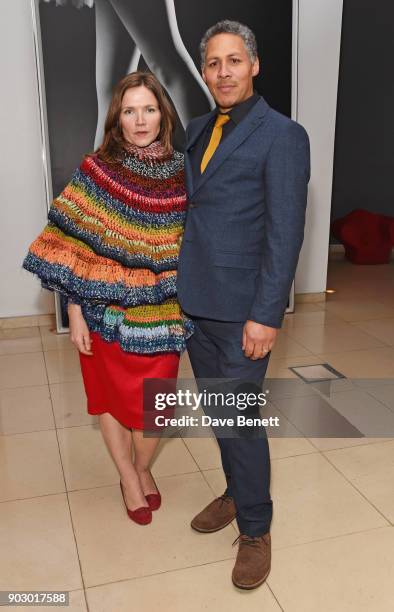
x: 247, y: 170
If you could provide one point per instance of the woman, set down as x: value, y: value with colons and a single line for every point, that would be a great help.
x: 111, y: 247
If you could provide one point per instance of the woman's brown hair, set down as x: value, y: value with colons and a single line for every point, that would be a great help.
x: 112, y: 148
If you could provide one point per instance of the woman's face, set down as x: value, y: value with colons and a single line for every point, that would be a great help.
x: 140, y: 116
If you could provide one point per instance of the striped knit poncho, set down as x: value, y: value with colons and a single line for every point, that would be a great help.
x: 112, y: 245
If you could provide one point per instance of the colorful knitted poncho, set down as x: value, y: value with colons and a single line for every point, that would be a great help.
x: 112, y: 245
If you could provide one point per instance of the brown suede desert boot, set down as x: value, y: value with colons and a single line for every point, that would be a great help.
x: 216, y: 515
x: 253, y: 562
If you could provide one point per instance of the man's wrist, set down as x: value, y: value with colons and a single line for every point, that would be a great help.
x: 266, y: 323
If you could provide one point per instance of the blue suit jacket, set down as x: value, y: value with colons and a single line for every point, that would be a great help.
x: 245, y: 219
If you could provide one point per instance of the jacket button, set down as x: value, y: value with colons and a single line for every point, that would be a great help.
x: 192, y: 205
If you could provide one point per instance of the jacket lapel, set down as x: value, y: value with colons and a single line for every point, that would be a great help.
x: 188, y: 175
x: 233, y: 140
x: 200, y: 127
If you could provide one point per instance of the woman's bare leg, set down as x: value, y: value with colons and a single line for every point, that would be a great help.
x: 144, y: 449
x: 119, y: 443
x: 116, y: 56
x: 153, y: 27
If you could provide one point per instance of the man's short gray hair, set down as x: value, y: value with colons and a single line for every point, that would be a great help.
x: 230, y: 27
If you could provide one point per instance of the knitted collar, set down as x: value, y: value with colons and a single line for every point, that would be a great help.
x: 151, y: 153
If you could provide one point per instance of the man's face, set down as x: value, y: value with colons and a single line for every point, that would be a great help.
x: 228, y: 70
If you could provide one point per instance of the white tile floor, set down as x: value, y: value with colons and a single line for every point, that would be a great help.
x: 63, y: 525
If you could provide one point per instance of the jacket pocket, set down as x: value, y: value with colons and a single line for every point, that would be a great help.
x: 246, y: 261
x: 242, y: 161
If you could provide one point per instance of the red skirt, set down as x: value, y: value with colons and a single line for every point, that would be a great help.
x: 114, y: 379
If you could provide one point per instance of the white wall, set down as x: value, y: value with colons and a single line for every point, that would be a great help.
x: 318, y: 63
x: 22, y: 190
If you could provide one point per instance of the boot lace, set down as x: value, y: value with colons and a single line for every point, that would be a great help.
x: 247, y: 540
x: 224, y: 499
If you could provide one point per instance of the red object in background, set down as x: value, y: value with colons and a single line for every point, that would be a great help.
x: 367, y: 237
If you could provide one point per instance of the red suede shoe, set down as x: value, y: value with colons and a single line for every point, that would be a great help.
x: 154, y: 500
x: 142, y: 516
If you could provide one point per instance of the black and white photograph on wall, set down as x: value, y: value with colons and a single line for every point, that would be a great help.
x: 86, y: 46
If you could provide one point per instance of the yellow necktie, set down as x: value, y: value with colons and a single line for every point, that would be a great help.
x: 214, y: 140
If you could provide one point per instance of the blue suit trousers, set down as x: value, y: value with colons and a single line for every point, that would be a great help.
x: 215, y: 351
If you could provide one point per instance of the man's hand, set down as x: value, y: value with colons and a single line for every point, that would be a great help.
x: 257, y: 340
x: 79, y: 332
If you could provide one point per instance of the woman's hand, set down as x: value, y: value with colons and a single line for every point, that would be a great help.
x: 79, y: 332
